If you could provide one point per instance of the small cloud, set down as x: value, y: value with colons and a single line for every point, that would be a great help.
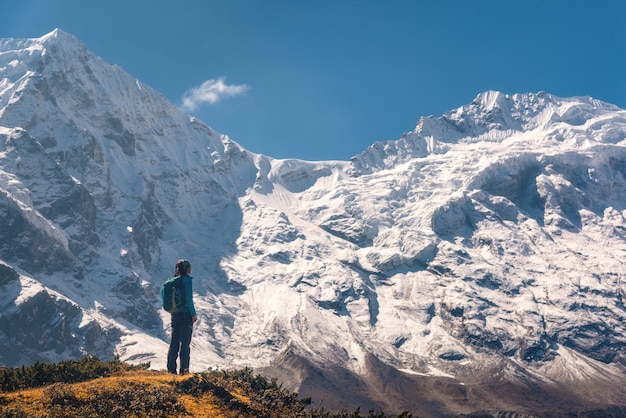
x: 211, y: 91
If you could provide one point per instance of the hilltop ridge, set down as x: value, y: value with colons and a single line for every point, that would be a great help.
x: 107, y: 389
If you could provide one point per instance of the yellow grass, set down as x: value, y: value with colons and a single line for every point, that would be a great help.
x: 32, y: 401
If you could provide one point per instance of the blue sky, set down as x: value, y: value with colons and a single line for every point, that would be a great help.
x: 324, y: 79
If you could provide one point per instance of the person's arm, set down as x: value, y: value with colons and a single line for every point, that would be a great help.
x: 187, y: 282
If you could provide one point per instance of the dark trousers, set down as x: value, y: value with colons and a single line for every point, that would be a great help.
x: 182, y: 327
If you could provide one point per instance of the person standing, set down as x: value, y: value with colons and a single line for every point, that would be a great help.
x: 182, y: 322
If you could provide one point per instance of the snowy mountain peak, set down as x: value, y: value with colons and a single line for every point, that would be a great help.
x: 60, y: 36
x: 32, y: 49
x: 491, y: 99
x: 59, y: 39
x: 493, y: 117
x: 472, y: 265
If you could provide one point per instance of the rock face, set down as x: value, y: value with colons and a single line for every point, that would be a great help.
x: 473, y: 266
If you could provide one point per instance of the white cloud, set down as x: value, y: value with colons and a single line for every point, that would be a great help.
x: 211, y: 91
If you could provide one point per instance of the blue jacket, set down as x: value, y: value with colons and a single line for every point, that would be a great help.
x: 188, y: 289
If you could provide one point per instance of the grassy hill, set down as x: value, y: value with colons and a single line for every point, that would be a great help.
x: 92, y: 388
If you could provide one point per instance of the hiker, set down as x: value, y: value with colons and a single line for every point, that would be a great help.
x: 182, y: 322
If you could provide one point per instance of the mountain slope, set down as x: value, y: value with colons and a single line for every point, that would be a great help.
x: 475, y: 264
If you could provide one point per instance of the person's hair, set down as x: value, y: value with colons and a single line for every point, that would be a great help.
x: 182, y: 267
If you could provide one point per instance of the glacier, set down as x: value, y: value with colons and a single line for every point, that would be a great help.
x: 474, y: 265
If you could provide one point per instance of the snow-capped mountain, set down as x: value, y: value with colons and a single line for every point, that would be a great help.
x: 474, y: 265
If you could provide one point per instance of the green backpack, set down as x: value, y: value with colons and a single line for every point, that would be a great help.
x: 173, y: 294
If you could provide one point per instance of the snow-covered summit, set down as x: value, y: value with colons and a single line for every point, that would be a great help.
x: 496, y: 117
x: 467, y: 266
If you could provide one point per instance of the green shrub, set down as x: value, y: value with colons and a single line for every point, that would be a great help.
x: 68, y: 371
x: 13, y: 413
x: 139, y: 398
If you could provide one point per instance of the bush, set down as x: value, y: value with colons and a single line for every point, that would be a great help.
x: 140, y: 398
x: 13, y: 413
x: 69, y: 371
